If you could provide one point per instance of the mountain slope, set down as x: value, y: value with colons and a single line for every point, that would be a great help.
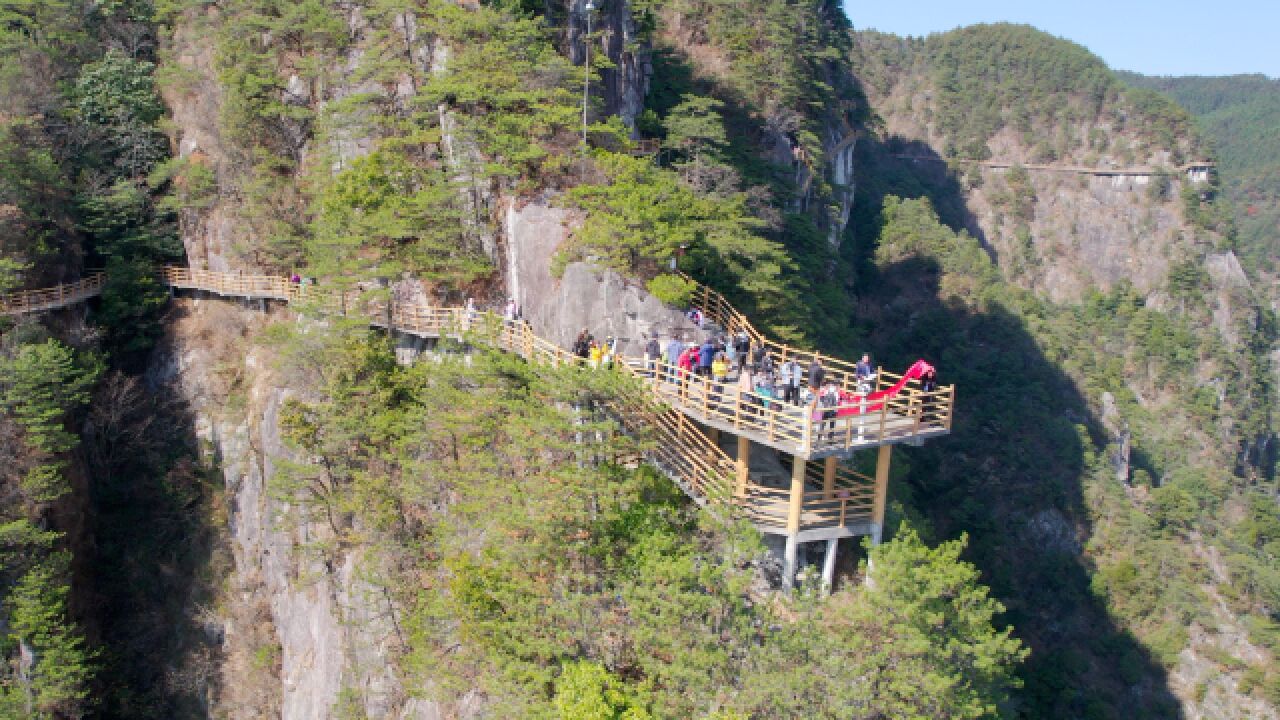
x: 1116, y: 353
x: 1241, y: 117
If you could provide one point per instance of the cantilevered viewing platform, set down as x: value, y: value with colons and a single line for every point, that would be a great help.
x: 795, y: 488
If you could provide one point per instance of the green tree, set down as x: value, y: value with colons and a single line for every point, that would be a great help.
x: 385, y: 214
x: 57, y: 683
x: 40, y: 386
x: 587, y: 691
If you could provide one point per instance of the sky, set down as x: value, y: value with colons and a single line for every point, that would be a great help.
x: 1176, y: 37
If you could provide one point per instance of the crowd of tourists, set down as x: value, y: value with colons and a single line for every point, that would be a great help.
x: 722, y: 360
x: 597, y: 354
x: 737, y: 371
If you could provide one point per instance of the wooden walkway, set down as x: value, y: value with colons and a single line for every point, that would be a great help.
x: 678, y: 416
x: 59, y: 296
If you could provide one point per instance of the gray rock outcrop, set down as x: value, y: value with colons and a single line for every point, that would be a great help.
x: 602, y: 301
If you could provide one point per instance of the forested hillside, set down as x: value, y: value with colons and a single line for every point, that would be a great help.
x: 101, y: 524
x: 1240, y: 115
x: 1115, y: 470
x: 222, y: 512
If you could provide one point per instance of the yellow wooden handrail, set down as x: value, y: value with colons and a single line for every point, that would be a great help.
x: 936, y: 405
x: 52, y: 298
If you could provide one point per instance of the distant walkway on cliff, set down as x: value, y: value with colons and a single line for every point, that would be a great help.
x: 1194, y: 170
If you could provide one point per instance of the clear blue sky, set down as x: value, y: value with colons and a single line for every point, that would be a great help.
x: 1176, y: 37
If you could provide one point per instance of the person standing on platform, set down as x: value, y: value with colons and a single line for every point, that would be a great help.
x: 865, y: 373
x: 706, y: 356
x: 790, y: 389
x: 816, y: 375
x: 652, y: 353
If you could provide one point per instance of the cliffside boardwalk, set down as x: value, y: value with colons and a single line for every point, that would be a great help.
x: 815, y: 499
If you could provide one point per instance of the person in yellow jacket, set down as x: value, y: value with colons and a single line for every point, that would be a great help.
x: 597, y: 352
x: 720, y: 368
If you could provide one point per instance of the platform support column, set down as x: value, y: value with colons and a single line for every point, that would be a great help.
x: 793, y: 522
x: 882, y: 492
x: 744, y: 464
x: 829, y: 478
x: 829, y: 564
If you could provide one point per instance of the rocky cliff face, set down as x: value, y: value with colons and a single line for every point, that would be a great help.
x: 604, y: 303
x: 1061, y: 226
x: 301, y: 632
x: 301, y: 628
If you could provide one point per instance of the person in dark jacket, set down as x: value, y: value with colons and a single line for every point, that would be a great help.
x: 652, y: 353
x: 582, y: 346
x: 742, y: 348
x: 865, y: 373
x: 706, y: 356
x: 816, y: 375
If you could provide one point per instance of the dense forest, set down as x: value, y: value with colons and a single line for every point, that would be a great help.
x: 197, y: 491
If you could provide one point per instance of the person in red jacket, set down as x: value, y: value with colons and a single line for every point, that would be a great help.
x: 685, y: 363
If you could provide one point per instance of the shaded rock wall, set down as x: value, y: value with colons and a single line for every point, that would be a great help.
x: 624, y: 85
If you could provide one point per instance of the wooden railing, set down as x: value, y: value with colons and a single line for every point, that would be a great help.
x: 802, y: 430
x: 847, y: 499
x: 909, y: 413
x: 45, y: 299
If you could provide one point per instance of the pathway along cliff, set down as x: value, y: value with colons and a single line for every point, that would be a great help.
x: 686, y: 415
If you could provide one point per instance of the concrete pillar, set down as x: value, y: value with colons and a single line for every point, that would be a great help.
x: 789, y: 562
x: 744, y: 464
x: 829, y: 478
x: 829, y: 564
x: 794, y: 508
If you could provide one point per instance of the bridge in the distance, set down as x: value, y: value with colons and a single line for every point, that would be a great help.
x: 1196, y: 171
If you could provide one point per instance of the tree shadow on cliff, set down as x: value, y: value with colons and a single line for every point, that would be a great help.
x: 157, y: 558
x: 1012, y: 476
x: 908, y: 168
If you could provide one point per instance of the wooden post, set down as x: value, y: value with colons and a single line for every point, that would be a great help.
x: 797, y: 495
x: 806, y: 441
x: 793, y: 523
x: 829, y: 477
x: 882, y: 492
x: 744, y: 464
